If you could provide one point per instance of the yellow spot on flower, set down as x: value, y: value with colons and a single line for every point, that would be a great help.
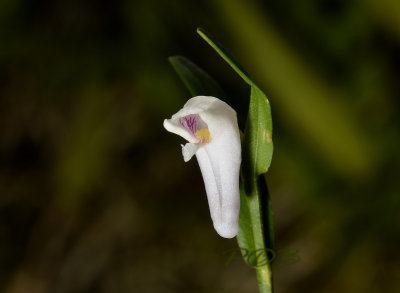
x: 203, y: 135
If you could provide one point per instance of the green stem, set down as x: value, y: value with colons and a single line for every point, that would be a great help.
x: 264, y: 277
x: 262, y: 220
x: 256, y: 237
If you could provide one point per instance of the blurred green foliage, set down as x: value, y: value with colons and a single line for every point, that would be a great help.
x: 94, y: 194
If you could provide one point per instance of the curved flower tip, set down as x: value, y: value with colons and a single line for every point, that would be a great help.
x: 210, y: 127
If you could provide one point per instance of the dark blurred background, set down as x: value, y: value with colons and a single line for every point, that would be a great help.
x: 94, y: 193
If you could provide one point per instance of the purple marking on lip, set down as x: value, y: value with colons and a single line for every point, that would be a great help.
x: 189, y: 122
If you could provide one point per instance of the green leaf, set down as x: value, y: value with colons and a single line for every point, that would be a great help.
x: 196, y: 79
x: 258, y: 147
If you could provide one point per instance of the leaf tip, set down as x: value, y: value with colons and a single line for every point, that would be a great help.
x: 174, y: 58
x: 204, y: 34
x: 200, y: 30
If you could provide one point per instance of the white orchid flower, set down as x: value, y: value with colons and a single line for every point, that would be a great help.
x: 210, y: 125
